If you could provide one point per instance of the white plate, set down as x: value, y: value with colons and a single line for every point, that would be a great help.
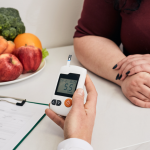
x: 27, y: 75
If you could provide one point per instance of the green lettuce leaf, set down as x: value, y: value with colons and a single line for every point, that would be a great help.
x: 45, y: 53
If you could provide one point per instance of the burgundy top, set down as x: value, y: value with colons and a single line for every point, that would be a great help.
x: 99, y: 18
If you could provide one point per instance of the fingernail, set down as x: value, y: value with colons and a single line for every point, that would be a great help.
x: 127, y: 72
x: 120, y: 77
x: 117, y: 77
x: 80, y: 92
x: 115, y: 67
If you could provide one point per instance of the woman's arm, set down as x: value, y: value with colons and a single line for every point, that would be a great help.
x: 99, y: 54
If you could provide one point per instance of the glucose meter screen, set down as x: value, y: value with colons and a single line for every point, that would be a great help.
x: 67, y: 86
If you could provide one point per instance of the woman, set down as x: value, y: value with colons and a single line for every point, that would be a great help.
x: 103, y: 26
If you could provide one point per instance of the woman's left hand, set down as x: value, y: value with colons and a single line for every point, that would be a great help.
x: 132, y: 65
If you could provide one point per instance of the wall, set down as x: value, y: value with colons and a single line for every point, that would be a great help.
x: 53, y: 21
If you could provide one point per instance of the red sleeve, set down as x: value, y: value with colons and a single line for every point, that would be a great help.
x: 99, y: 18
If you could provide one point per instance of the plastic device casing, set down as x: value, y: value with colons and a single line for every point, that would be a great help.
x: 62, y: 109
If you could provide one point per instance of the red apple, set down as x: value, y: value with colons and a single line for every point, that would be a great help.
x: 30, y: 57
x: 10, y: 67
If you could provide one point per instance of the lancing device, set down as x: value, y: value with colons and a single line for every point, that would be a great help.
x: 68, y: 80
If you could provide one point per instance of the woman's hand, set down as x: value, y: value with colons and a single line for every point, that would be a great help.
x: 132, y: 65
x: 137, y: 89
x: 79, y: 122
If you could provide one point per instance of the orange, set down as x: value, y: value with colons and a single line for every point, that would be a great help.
x: 27, y: 39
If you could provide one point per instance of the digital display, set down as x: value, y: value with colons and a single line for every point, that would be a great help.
x: 67, y: 86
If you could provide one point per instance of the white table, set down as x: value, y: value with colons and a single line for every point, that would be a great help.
x: 118, y: 122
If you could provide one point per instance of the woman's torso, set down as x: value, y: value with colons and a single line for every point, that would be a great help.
x: 135, y: 29
x: 132, y: 29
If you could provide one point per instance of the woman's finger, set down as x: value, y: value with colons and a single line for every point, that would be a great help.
x: 147, y: 80
x: 91, y: 94
x: 54, y: 117
x: 145, y: 90
x: 139, y: 102
x: 142, y: 97
x: 64, y: 117
x: 120, y: 63
x: 140, y: 68
x: 125, y: 70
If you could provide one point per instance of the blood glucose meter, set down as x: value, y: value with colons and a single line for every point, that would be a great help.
x: 69, y: 79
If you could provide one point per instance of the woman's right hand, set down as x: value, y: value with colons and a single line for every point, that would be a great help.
x: 137, y: 89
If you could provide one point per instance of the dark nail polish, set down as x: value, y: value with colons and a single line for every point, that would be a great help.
x: 117, y: 77
x: 120, y: 76
x: 127, y: 72
x: 115, y: 67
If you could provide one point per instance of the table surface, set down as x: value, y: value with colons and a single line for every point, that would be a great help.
x: 118, y: 125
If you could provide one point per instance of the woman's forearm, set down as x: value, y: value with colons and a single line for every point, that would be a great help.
x: 99, y: 55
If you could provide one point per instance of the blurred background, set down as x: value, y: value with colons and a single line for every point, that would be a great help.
x: 53, y: 21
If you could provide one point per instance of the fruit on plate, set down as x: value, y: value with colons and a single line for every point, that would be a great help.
x: 30, y: 57
x: 10, y: 67
x: 10, y: 48
x: 3, y: 44
x: 27, y: 39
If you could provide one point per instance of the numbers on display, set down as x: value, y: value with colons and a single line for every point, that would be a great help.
x: 70, y: 87
x: 66, y: 86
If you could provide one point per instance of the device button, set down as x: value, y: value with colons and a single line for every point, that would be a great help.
x: 58, y: 103
x: 53, y: 102
x: 68, y: 102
